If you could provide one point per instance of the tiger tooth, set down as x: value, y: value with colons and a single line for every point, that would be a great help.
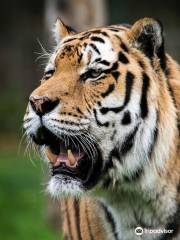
x: 57, y: 163
x: 71, y: 158
x: 52, y: 157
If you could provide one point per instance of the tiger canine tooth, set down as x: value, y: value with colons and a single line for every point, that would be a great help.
x: 71, y: 157
x: 52, y: 157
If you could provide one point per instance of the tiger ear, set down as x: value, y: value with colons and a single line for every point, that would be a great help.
x: 147, y: 35
x: 61, y: 30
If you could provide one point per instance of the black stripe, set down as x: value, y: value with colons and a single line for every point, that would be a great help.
x: 178, y: 188
x: 96, y: 31
x: 106, y: 124
x: 69, y: 40
x: 99, y: 32
x: 85, y: 36
x: 79, y: 110
x: 94, y: 47
x: 89, y: 224
x: 80, y: 58
x: 143, y: 102
x: 105, y: 34
x: 129, y: 141
x: 110, y: 220
x: 105, y: 110
x: 124, y: 47
x: 86, y: 33
x: 115, y: 154
x: 129, y: 84
x: 118, y: 37
x: 97, y: 59
x: 122, y: 58
x: 99, y: 104
x: 104, y: 62
x: 77, y: 218
x: 162, y: 57
x: 108, y: 165
x: 141, y: 64
x: 108, y: 91
x: 126, y: 118
x: 115, y: 75
x: 173, y: 224
x: 113, y: 68
x: 85, y: 45
x: 97, y: 39
x: 114, y: 30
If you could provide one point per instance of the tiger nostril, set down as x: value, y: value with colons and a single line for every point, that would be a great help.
x: 42, y: 105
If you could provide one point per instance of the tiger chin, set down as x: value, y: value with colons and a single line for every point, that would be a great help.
x: 107, y: 114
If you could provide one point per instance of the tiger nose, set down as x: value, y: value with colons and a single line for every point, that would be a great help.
x: 42, y: 105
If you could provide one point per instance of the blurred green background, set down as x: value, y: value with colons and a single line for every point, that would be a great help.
x: 25, y: 210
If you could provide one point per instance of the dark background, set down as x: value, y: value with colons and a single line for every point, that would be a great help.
x: 23, y: 205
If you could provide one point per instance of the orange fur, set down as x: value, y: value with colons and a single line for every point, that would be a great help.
x: 84, y: 218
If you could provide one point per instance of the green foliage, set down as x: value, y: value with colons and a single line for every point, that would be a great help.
x: 22, y: 200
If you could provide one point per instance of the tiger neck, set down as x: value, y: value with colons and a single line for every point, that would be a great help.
x: 142, y: 171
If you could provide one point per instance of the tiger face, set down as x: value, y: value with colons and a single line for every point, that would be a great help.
x: 93, y: 100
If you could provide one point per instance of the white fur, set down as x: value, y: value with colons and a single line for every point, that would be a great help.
x: 59, y: 187
x: 56, y: 32
x: 106, y: 53
x: 31, y: 122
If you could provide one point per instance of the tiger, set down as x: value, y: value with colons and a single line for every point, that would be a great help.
x: 106, y: 119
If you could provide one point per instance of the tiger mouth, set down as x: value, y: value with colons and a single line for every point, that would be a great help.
x: 69, y: 158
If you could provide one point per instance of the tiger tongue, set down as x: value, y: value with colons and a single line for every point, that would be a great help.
x: 65, y: 157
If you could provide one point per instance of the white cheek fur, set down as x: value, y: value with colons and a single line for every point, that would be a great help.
x: 33, y: 124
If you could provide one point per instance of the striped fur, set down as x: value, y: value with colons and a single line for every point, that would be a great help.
x: 81, y: 220
x: 118, y: 92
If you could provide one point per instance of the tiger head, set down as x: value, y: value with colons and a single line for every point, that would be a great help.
x: 95, y: 112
